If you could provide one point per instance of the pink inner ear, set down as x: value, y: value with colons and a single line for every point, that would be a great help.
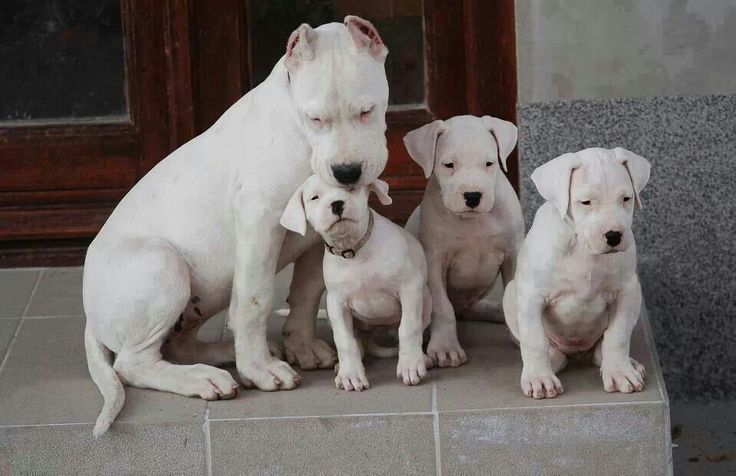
x: 370, y: 33
x: 367, y: 30
x: 291, y: 44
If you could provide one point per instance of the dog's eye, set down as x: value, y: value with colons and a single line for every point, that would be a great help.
x: 449, y: 165
x: 626, y: 199
x: 488, y: 164
x: 315, y: 120
x: 585, y: 202
x: 316, y: 197
x: 366, y: 112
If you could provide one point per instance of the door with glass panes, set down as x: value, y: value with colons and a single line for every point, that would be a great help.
x: 93, y: 93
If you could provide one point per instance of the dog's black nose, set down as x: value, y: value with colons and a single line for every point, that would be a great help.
x: 346, y: 174
x: 472, y: 199
x: 338, y: 206
x: 613, y: 238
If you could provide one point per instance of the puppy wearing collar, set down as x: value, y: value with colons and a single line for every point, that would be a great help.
x: 469, y: 222
x: 576, y: 291
x: 375, y: 274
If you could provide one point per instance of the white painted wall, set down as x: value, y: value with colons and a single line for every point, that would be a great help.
x: 587, y: 49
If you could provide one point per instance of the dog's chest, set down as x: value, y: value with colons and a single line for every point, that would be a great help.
x: 576, y: 311
x: 376, y: 307
x: 370, y: 290
x: 473, y: 267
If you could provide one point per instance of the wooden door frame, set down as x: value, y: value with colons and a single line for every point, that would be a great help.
x: 186, y: 63
x: 50, y: 213
x: 470, y: 63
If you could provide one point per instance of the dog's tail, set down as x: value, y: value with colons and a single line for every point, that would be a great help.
x: 377, y: 350
x: 99, y: 362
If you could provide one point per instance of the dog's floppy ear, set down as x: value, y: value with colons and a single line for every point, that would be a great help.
x: 422, y: 144
x: 380, y: 188
x: 638, y: 168
x: 553, y: 180
x: 294, y: 217
x: 365, y: 35
x: 300, y: 46
x: 505, y: 133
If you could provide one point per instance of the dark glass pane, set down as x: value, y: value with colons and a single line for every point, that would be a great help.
x: 61, y: 59
x: 398, y: 21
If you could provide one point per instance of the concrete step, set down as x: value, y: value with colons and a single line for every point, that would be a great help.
x: 471, y: 420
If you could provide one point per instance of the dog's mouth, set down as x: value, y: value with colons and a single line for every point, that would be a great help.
x: 471, y: 212
x: 612, y: 251
x: 340, y: 220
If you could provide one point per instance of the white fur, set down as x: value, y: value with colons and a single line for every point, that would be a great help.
x: 575, y: 293
x: 383, y: 285
x: 467, y: 248
x: 201, y: 232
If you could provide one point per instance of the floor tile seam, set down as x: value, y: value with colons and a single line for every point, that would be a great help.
x: 15, y: 270
x: 16, y: 331
x: 11, y: 344
x: 48, y: 366
x: 654, y: 356
x: 544, y: 407
x: 207, y: 442
x: 59, y: 316
x: 436, y: 432
x: 313, y: 417
x: 40, y: 276
x: 91, y: 422
x: 657, y: 370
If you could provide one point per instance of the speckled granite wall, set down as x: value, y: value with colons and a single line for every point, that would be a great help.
x: 686, y: 231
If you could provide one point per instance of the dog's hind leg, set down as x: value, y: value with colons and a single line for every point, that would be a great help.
x: 187, y: 349
x: 148, y: 370
x: 134, y: 297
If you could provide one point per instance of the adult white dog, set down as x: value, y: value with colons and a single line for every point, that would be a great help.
x: 576, y: 287
x: 469, y: 222
x: 375, y: 273
x: 201, y: 230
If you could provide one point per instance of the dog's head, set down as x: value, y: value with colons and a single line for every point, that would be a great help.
x: 595, y: 190
x: 465, y: 154
x: 338, y: 214
x: 337, y: 81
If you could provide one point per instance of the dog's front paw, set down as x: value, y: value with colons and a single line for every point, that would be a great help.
x: 412, y: 368
x: 308, y: 353
x: 269, y: 376
x: 444, y: 349
x: 540, y: 383
x: 210, y: 383
x: 626, y: 377
x: 351, y: 377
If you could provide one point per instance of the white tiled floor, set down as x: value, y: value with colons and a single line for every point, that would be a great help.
x: 460, y: 421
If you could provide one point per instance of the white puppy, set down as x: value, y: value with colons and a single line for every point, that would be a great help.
x: 469, y: 222
x: 576, y: 289
x: 375, y: 273
x: 200, y: 232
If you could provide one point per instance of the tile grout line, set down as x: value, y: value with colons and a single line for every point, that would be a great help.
x: 307, y: 417
x: 20, y: 322
x: 436, y: 428
x: 207, y: 441
x: 40, y: 425
x: 92, y: 422
x: 61, y: 316
x: 657, y: 370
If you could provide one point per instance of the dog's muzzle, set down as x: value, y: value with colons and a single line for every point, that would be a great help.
x: 351, y: 252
